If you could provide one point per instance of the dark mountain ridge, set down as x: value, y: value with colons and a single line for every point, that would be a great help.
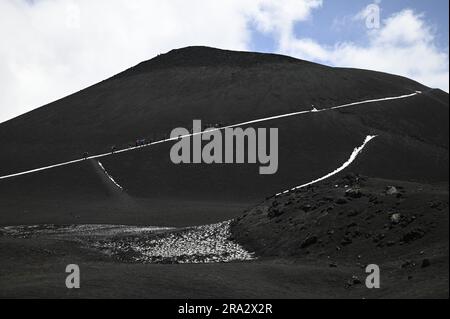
x: 199, y: 56
x: 228, y: 87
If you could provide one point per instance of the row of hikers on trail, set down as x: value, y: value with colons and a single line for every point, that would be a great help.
x: 138, y: 143
x: 144, y: 142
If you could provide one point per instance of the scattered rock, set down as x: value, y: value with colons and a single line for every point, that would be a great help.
x: 353, y: 179
x: 341, y: 201
x: 353, y: 213
x: 353, y: 193
x: 307, y: 207
x: 435, y: 205
x: 395, y: 218
x: 374, y: 200
x: 200, y: 244
x: 354, y: 281
x: 379, y: 237
x: 390, y: 243
x: 426, y: 263
x: 408, y: 264
x: 333, y: 265
x: 346, y: 241
x: 310, y: 240
x: 274, y: 212
x: 413, y: 235
x: 391, y: 190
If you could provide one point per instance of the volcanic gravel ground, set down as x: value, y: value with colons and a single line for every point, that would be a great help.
x: 201, y: 244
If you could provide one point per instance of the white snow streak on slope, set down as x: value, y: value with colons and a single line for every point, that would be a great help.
x: 216, y: 129
x: 109, y: 176
x: 353, y: 156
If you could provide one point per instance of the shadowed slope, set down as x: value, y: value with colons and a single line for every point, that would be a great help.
x: 226, y: 87
x: 151, y: 103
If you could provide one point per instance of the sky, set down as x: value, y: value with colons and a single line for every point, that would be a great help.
x: 52, y: 48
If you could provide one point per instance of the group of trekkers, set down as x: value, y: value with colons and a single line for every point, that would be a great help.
x: 143, y: 142
x: 138, y: 143
x: 212, y: 126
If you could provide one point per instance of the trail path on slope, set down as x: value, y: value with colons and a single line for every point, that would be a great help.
x: 211, y: 130
x: 352, y: 157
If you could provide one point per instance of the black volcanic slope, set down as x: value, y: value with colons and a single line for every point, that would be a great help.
x: 216, y: 86
x: 355, y: 221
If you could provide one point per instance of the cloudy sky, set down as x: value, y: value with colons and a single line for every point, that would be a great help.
x: 51, y: 48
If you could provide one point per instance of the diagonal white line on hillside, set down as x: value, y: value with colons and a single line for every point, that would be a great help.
x: 211, y: 130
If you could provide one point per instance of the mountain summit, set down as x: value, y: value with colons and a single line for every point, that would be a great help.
x: 201, y: 56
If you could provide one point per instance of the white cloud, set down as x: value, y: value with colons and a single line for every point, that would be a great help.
x: 403, y: 45
x: 280, y: 16
x: 51, y: 48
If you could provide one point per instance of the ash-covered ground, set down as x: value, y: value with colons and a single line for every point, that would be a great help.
x: 310, y: 243
x: 400, y: 226
x: 200, y: 244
